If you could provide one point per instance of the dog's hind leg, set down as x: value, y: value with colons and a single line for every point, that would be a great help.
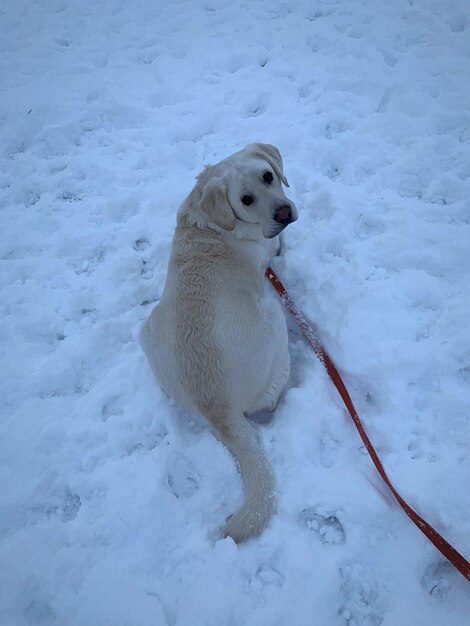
x: 259, y: 504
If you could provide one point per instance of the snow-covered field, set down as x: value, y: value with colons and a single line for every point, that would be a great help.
x: 111, y: 496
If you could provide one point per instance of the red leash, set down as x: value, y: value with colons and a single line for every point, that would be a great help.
x: 451, y: 554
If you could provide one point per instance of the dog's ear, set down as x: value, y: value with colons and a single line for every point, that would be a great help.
x: 272, y: 155
x: 215, y: 205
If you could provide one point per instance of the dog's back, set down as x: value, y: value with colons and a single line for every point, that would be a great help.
x: 217, y: 341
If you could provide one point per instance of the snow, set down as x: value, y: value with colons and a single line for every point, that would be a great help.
x: 112, y: 497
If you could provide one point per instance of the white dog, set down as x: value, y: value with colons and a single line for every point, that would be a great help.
x: 217, y: 340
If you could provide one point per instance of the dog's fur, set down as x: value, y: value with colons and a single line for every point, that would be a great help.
x: 217, y: 340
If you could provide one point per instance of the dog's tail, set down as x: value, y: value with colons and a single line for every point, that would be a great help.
x: 258, y: 477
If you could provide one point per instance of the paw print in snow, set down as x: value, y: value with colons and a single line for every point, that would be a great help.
x: 112, y: 408
x: 267, y: 575
x: 70, y: 507
x: 39, y: 611
x: 328, y: 449
x: 183, y: 478
x: 324, y: 524
x: 362, y: 601
x: 436, y: 579
x: 141, y: 244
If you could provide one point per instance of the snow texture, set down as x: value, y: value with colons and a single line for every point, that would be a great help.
x: 112, y: 498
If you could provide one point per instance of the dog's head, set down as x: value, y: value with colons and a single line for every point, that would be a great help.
x: 245, y: 187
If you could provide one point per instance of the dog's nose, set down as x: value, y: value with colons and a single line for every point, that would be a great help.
x: 283, y: 215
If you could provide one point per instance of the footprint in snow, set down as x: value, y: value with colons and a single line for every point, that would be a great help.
x: 182, y: 477
x: 111, y: 408
x: 39, y: 612
x: 64, y: 506
x: 70, y: 507
x: 362, y: 602
x: 267, y: 575
x: 328, y: 449
x: 326, y: 525
x: 141, y: 244
x: 437, y: 578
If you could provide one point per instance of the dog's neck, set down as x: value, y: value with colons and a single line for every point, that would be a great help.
x: 245, y: 239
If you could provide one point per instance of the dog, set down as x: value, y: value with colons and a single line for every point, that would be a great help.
x: 217, y: 340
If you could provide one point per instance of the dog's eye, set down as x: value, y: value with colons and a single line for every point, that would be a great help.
x: 268, y: 177
x: 247, y: 200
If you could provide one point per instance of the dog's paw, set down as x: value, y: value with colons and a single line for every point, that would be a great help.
x: 326, y: 525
